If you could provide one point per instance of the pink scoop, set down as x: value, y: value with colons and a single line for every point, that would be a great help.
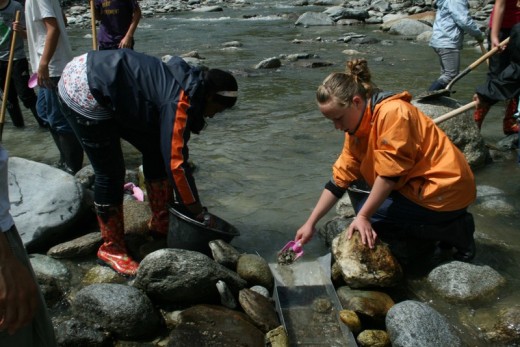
x: 292, y: 246
x: 33, y: 80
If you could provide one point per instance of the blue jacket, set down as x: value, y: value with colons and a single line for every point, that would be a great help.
x: 160, y: 100
x: 451, y: 21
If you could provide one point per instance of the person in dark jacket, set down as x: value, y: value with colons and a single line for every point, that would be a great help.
x: 507, y: 84
x: 121, y: 94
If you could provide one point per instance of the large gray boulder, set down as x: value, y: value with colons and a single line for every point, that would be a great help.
x: 45, y: 202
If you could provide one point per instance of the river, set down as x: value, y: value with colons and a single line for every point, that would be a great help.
x: 263, y: 164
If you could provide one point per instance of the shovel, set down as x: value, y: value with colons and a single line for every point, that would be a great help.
x: 454, y: 112
x: 8, y: 78
x: 447, y: 91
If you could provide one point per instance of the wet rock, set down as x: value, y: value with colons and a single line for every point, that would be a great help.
x: 373, y: 338
x: 461, y: 129
x: 333, y: 228
x: 45, y: 202
x: 314, y: 19
x: 261, y: 290
x: 370, y: 306
x: 260, y: 309
x: 101, y: 274
x: 412, y: 323
x: 408, y: 27
x: 255, y: 270
x: 82, y: 246
x: 269, y: 63
x: 351, y: 320
x: 123, y: 310
x: 365, y: 267
x: 224, y: 254
x: 180, y: 276
x: 136, y: 214
x: 277, y: 338
x: 75, y: 333
x: 226, y: 297
x: 507, y: 328
x: 493, y: 201
x: 458, y: 281
x: 206, y: 325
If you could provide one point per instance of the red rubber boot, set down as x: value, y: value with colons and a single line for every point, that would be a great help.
x: 160, y: 193
x: 510, y: 124
x: 113, y: 251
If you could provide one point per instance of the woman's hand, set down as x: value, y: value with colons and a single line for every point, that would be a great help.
x: 305, y: 233
x: 363, y: 225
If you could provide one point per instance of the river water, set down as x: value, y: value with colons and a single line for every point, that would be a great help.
x: 263, y: 164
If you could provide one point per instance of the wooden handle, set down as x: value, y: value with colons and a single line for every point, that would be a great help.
x: 8, y: 77
x: 454, y: 112
x: 93, y: 24
x: 483, y: 50
x: 488, y: 54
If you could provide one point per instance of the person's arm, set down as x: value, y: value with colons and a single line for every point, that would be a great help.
x: 20, y: 29
x: 51, y: 42
x: 18, y: 290
x: 498, y: 17
x: 380, y: 191
x: 126, y: 42
x: 459, y: 11
x: 326, y: 201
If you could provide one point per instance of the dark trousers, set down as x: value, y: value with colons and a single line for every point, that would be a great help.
x: 18, y: 88
x: 101, y: 141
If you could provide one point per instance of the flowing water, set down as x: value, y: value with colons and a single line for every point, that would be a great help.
x: 263, y: 164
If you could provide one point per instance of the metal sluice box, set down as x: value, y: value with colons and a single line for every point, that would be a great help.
x: 308, y: 305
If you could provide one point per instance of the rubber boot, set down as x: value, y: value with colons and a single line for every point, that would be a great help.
x: 160, y: 193
x: 113, y: 251
x: 510, y: 124
x: 41, y: 122
x: 458, y: 234
x: 16, y: 114
x: 72, y: 152
x: 480, y: 113
x: 436, y: 86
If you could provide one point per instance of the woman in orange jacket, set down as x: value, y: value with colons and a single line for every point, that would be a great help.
x: 419, y: 184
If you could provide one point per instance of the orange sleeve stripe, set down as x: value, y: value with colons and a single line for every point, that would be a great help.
x: 176, y: 156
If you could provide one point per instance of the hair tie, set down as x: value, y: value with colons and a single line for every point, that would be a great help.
x: 228, y: 93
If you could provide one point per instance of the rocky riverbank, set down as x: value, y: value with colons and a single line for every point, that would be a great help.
x: 225, y: 297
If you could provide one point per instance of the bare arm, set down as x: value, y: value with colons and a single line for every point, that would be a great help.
x: 51, y: 42
x: 326, y: 201
x: 498, y: 16
x: 18, y: 290
x: 380, y: 191
x: 126, y: 42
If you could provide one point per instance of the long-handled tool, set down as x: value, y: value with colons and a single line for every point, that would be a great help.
x: 454, y: 112
x: 447, y: 91
x: 8, y: 78
x: 93, y: 24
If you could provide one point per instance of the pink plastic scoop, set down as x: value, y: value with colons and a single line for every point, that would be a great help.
x: 290, y: 253
x: 33, y: 80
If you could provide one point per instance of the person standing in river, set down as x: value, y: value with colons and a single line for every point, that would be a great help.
x: 418, y: 184
x: 20, y: 66
x: 24, y: 320
x: 121, y: 94
x: 505, y: 14
x: 49, y: 52
x: 118, y: 20
x: 452, y: 20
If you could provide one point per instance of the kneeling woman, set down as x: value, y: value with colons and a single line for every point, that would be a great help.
x: 419, y: 184
x: 121, y: 94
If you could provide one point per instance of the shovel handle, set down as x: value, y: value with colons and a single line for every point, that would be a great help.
x: 93, y: 25
x: 477, y: 63
x: 454, y: 112
x: 8, y: 77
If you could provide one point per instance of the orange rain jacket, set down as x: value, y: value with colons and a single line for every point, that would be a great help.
x: 396, y: 140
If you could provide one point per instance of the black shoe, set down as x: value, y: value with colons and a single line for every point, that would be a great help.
x: 467, y: 253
